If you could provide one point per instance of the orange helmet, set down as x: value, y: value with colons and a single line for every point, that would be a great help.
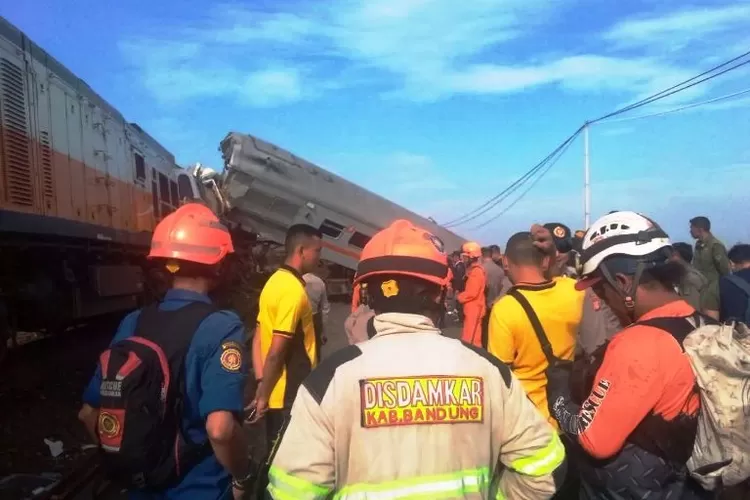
x: 191, y: 233
x: 471, y: 249
x: 403, y: 248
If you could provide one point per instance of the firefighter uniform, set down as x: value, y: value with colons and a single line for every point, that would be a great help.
x: 473, y: 298
x: 410, y: 413
x: 374, y: 401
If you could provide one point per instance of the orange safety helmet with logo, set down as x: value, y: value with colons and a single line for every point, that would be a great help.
x: 404, y: 249
x: 191, y: 233
x: 471, y: 249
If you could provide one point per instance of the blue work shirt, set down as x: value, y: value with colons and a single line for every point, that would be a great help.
x: 209, y: 388
x: 732, y: 300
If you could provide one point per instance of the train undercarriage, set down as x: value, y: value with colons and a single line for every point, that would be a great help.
x: 50, y: 284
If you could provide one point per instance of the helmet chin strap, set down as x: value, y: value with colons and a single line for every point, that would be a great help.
x: 627, y: 295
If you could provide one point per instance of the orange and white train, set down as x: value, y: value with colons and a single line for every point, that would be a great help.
x: 81, y: 189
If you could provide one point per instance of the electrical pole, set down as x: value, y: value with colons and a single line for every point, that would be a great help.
x: 586, y: 178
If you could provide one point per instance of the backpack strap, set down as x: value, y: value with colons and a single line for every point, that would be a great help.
x: 535, y: 324
x: 679, y: 326
x: 173, y: 331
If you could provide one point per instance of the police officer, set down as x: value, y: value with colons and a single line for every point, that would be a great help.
x: 369, y: 422
x: 192, y: 245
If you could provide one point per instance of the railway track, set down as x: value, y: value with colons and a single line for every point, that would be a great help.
x: 40, y: 392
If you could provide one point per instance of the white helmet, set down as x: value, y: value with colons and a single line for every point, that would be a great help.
x: 619, y: 233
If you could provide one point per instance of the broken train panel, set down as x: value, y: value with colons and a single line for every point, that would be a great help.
x: 267, y: 189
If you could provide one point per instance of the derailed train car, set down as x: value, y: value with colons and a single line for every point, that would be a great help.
x: 266, y: 189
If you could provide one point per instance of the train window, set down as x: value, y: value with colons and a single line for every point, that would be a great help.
x: 359, y: 240
x: 166, y: 210
x: 155, y: 200
x: 163, y: 187
x: 173, y: 194
x: 331, y: 229
x: 184, y: 186
x: 140, y: 167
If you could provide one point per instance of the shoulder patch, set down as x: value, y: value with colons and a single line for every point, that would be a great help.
x: 320, y: 378
x: 501, y: 367
x: 231, y: 356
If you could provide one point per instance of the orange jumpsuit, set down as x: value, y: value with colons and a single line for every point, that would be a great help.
x: 473, y: 301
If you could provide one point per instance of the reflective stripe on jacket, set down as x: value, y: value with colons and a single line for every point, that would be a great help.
x: 384, y: 420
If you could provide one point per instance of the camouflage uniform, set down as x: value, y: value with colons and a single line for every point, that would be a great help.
x: 710, y: 259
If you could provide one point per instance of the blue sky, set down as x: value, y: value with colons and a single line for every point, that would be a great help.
x: 436, y: 104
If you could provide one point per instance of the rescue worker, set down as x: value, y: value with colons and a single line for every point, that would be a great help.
x: 192, y: 245
x: 318, y: 297
x: 637, y: 425
x: 496, y: 255
x: 369, y: 422
x: 556, y: 307
x: 472, y: 298
x: 734, y: 289
x: 693, y: 286
x: 285, y: 335
x: 598, y: 323
x: 710, y: 259
x: 356, y: 325
x: 493, y: 290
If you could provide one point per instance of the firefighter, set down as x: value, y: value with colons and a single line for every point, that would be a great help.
x: 472, y: 298
x: 368, y: 422
x: 200, y: 348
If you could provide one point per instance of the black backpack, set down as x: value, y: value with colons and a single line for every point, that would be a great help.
x: 142, y: 398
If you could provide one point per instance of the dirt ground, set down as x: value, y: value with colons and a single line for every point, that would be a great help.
x: 40, y: 392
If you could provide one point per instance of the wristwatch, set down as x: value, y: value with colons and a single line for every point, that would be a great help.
x: 242, y: 483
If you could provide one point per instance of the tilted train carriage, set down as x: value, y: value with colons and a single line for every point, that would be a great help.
x: 266, y: 189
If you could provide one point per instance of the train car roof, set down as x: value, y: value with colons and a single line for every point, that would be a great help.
x: 19, y: 38
x: 327, y: 185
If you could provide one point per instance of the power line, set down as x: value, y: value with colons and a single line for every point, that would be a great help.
x: 526, y: 191
x: 682, y: 108
x: 679, y: 87
x: 691, y: 82
x: 497, y: 199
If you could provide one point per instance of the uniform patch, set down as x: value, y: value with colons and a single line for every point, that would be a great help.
x: 591, y: 406
x: 109, y: 425
x: 387, y: 402
x: 389, y: 288
x: 559, y: 231
x: 231, y: 356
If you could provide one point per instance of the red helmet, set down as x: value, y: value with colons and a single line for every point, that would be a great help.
x: 191, y: 233
x: 403, y: 248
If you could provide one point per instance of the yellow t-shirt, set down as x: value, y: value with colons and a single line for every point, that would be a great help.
x: 512, y: 340
x: 284, y: 310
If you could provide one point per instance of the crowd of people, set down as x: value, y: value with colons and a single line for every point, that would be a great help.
x: 570, y: 380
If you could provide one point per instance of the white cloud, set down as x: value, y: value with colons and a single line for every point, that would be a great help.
x: 677, y: 29
x: 416, y: 49
x: 616, y: 131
